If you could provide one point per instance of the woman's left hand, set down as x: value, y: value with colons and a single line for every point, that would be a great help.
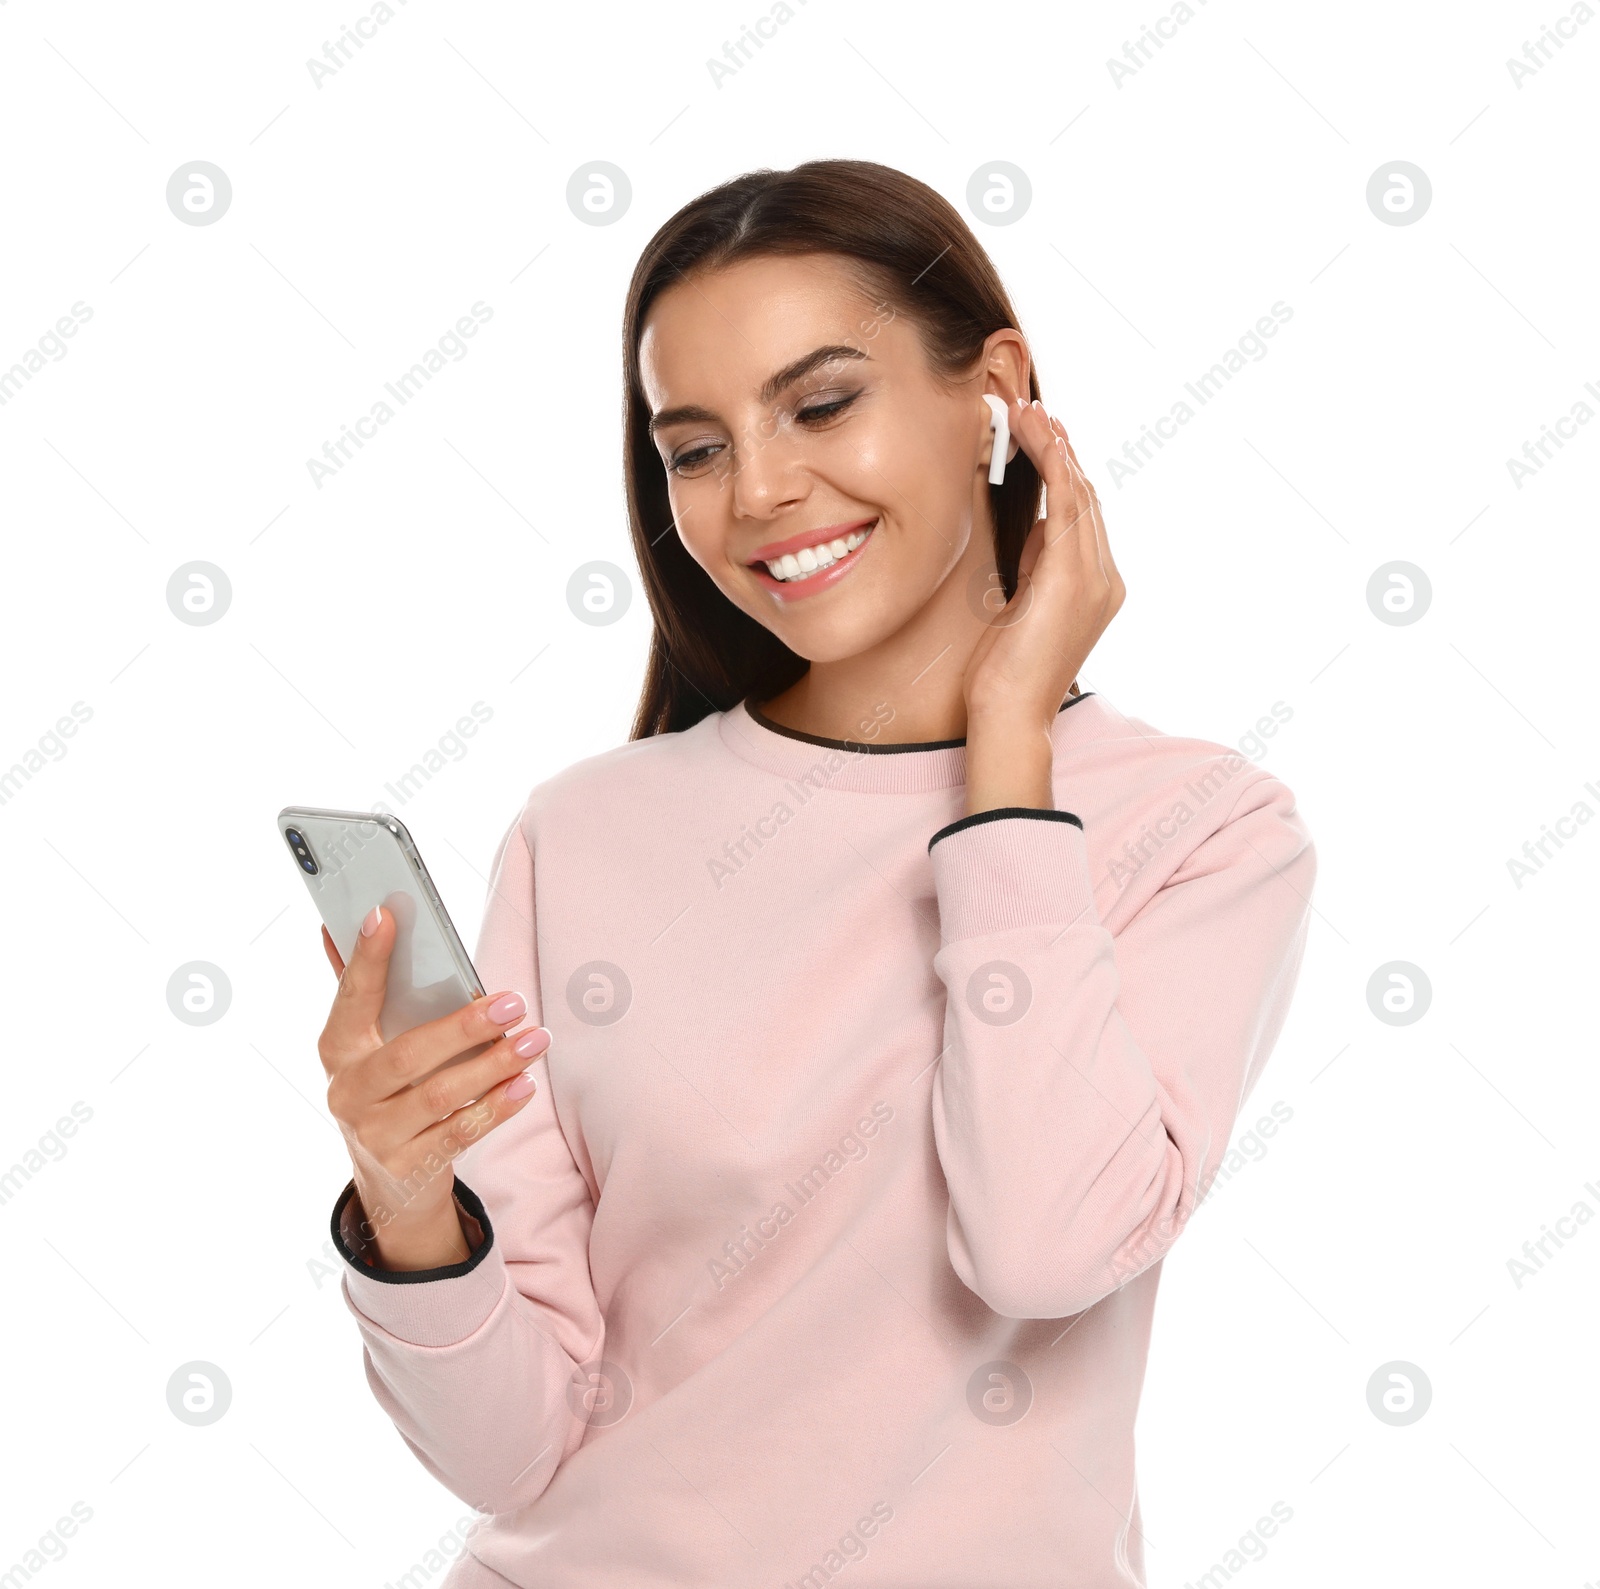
x: 1068, y: 591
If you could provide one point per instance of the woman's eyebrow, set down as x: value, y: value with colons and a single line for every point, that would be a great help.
x: 802, y: 367
x: 774, y: 384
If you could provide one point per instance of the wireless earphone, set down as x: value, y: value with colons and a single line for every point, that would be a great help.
x: 1002, y: 438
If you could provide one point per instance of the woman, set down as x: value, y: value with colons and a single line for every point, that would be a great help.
x: 873, y: 1020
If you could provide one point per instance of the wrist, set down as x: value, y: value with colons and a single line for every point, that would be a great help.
x: 433, y: 1241
x: 1010, y: 762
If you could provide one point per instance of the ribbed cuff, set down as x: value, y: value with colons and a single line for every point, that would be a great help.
x: 999, y: 813
x: 1004, y: 869
x: 425, y: 1307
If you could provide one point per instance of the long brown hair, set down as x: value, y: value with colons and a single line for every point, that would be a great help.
x: 912, y: 250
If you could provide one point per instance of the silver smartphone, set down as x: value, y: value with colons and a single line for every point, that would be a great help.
x: 353, y: 860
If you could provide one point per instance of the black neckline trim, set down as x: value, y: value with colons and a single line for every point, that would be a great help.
x: 862, y: 747
x: 468, y: 1199
x: 1005, y: 811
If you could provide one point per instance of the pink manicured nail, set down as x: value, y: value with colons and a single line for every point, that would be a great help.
x: 532, y: 1042
x: 520, y: 1086
x: 507, y: 1008
x: 371, y: 922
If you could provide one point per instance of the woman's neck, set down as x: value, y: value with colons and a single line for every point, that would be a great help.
x: 908, y: 690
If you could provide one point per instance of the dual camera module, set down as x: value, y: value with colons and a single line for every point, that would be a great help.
x: 302, y: 850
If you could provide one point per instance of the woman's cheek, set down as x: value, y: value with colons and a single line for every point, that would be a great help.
x: 694, y: 523
x: 876, y: 457
x: 908, y: 457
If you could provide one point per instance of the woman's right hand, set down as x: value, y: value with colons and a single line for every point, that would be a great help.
x: 409, y: 1106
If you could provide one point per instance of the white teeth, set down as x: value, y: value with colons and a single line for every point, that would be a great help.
x: 810, y: 559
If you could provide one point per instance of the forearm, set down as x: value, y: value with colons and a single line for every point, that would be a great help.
x: 1091, y: 1075
x: 1046, y: 1114
x: 477, y: 1380
x: 1050, y: 1130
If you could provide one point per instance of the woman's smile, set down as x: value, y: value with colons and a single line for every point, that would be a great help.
x: 813, y: 560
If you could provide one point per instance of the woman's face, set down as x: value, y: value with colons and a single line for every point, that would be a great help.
x: 817, y: 471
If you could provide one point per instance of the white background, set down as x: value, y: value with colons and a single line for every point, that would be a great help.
x: 1168, y: 214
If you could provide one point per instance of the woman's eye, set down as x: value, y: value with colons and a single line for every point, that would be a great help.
x: 821, y: 411
x: 690, y: 462
x: 694, y: 460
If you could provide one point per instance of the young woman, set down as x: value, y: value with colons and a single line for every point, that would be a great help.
x: 872, y: 1021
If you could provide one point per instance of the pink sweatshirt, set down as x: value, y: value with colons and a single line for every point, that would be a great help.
x: 828, y: 1246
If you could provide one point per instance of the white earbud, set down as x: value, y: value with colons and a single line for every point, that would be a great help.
x: 1002, y: 438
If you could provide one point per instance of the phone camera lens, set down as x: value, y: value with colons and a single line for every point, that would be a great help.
x: 301, y: 852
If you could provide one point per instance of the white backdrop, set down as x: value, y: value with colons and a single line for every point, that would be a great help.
x: 357, y: 213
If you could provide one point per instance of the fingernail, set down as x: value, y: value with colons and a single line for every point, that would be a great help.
x: 520, y: 1086
x: 371, y: 922
x: 532, y: 1042
x: 507, y: 1008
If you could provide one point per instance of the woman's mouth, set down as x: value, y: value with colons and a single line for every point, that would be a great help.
x: 814, y: 566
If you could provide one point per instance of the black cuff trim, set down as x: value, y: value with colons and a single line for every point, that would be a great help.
x: 1004, y: 811
x: 468, y: 1199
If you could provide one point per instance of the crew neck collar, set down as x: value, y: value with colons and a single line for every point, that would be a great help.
x: 854, y: 765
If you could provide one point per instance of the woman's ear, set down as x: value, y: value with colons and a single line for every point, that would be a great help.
x: 1006, y: 371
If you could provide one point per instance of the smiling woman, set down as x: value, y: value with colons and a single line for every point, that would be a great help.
x: 867, y: 448
x: 863, y: 645
x: 840, y: 307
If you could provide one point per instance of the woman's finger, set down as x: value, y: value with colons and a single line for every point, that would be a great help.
x: 1108, y: 564
x: 1094, y: 497
x: 453, y: 1136
x: 353, y: 1020
x: 1063, y: 507
x: 408, y: 1114
x: 414, y: 1055
x: 1087, y: 493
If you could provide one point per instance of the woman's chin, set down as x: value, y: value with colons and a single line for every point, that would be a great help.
x: 836, y: 637
x: 847, y: 620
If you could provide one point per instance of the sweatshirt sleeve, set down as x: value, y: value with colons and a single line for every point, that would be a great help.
x: 482, y: 1366
x: 1091, y: 1077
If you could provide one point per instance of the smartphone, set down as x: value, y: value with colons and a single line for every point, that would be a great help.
x: 353, y: 860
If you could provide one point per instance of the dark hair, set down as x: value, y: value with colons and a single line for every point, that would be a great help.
x: 909, y: 246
